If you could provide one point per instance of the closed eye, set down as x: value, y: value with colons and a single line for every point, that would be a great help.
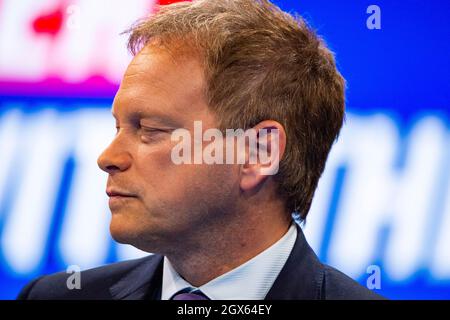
x: 152, y: 130
x: 149, y: 134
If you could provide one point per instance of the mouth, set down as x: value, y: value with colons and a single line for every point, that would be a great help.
x: 119, y: 198
x: 112, y: 193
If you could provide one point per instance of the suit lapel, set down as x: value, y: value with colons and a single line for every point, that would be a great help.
x: 143, y: 282
x: 301, y: 277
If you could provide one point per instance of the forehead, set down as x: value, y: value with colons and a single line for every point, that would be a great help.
x: 157, y: 81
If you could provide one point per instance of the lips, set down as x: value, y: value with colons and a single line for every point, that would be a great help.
x: 119, y: 198
x: 118, y: 193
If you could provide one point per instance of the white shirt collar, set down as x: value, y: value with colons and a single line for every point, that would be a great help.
x: 250, y: 281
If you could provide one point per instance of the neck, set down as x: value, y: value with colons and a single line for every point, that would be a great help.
x: 222, y: 248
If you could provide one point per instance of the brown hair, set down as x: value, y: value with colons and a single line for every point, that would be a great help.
x: 261, y: 63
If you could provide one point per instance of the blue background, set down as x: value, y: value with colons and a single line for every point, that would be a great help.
x: 400, y: 71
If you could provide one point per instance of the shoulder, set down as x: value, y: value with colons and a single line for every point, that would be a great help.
x: 94, y: 283
x: 305, y: 277
x: 338, y: 286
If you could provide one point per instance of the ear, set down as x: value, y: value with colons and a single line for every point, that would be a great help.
x: 262, y: 158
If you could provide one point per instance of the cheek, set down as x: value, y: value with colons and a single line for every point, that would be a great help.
x: 157, y: 175
x: 152, y: 160
x: 169, y: 185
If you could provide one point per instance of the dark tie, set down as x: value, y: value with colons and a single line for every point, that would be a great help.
x: 188, y: 294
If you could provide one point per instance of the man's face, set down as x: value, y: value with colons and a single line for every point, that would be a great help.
x: 154, y: 202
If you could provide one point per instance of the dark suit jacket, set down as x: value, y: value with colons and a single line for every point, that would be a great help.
x: 302, y: 277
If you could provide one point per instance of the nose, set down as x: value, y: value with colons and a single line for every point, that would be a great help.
x: 114, y: 159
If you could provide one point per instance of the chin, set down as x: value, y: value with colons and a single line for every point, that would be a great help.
x: 122, y: 230
x: 127, y: 231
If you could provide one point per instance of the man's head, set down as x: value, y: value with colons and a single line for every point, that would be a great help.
x: 229, y: 64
